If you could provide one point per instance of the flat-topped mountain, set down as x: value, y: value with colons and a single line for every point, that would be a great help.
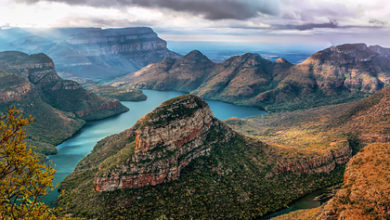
x: 60, y: 107
x: 179, y: 161
x: 93, y: 53
x: 334, y: 75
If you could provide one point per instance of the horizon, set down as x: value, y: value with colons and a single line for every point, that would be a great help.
x: 308, y: 25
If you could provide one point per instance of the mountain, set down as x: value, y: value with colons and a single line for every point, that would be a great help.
x: 179, y: 161
x: 60, y: 107
x: 334, y: 75
x: 92, y: 53
x: 184, y: 74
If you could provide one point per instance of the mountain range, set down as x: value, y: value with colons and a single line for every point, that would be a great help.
x: 334, y: 75
x: 93, y: 53
x: 60, y: 107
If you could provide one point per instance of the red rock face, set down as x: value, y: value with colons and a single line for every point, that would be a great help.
x: 319, y: 164
x: 161, y: 152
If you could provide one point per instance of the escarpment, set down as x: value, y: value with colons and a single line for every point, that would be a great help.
x: 165, y: 141
x: 91, y: 53
x: 31, y: 83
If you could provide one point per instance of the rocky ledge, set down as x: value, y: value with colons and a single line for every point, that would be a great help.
x: 163, y: 142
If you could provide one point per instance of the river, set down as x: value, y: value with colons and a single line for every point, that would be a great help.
x: 76, y: 148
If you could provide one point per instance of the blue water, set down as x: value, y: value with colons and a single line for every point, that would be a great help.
x: 74, y: 149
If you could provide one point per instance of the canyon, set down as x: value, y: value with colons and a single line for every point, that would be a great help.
x: 59, y: 107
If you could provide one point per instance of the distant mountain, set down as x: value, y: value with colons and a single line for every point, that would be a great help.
x: 93, y: 53
x: 334, y: 75
x: 60, y: 107
x: 179, y: 161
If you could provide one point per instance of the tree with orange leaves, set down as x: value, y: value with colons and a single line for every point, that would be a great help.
x: 24, y: 180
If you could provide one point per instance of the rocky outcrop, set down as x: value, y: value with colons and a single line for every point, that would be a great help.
x: 334, y: 75
x: 165, y: 141
x: 92, y: 53
x: 319, y: 163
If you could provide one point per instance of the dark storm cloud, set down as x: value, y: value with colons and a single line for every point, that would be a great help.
x: 211, y: 9
x: 332, y: 24
x: 309, y: 26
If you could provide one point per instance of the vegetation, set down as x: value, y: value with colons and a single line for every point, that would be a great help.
x: 122, y: 93
x: 23, y: 179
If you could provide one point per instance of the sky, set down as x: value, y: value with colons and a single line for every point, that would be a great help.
x: 279, y: 22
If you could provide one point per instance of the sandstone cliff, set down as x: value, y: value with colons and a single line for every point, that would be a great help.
x: 31, y: 83
x: 93, y: 53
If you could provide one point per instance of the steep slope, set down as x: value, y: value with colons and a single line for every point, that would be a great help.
x: 184, y: 74
x: 59, y: 106
x: 179, y: 161
x: 240, y: 78
x: 334, y: 75
x: 93, y: 53
x: 365, y: 194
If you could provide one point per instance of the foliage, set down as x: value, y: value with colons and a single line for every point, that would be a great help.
x: 23, y: 179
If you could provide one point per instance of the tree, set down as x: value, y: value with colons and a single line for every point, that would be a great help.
x: 24, y: 180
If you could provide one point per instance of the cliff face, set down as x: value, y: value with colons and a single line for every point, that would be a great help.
x: 334, y: 75
x: 31, y: 83
x: 365, y: 191
x: 93, y: 53
x: 164, y: 145
x: 179, y: 158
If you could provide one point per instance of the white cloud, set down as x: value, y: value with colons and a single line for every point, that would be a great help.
x: 303, y: 19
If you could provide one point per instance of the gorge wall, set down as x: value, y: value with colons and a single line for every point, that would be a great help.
x: 31, y: 83
x: 91, y: 53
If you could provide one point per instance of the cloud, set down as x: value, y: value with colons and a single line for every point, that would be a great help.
x: 210, y: 9
x: 331, y: 24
